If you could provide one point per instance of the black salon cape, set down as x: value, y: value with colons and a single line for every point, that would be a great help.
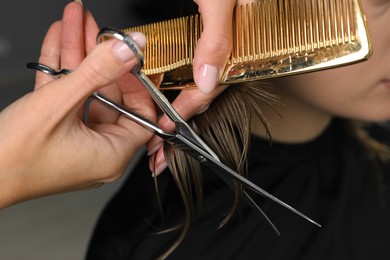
x: 329, y: 179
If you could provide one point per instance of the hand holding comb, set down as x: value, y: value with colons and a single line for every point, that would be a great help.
x: 271, y: 38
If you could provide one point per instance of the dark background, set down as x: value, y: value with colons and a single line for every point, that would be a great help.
x: 23, y: 25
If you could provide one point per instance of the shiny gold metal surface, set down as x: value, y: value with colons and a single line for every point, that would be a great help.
x: 271, y: 38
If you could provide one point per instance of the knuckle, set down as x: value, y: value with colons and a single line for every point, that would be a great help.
x: 199, y: 102
x: 219, y: 44
x: 68, y: 43
x: 95, y: 73
x: 48, y: 54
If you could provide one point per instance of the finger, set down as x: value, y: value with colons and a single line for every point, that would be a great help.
x: 214, y: 46
x: 138, y: 100
x: 50, y: 53
x: 72, y: 36
x: 90, y: 33
x: 157, y: 162
x: 106, y: 64
x: 124, y: 91
x: 136, y: 97
x: 188, y: 103
x: 91, y: 30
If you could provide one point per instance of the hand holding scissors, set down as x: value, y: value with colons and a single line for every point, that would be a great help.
x: 183, y: 137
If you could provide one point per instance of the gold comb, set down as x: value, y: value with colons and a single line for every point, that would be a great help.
x: 271, y: 38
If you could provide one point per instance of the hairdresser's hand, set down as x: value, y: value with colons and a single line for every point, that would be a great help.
x: 211, y: 55
x: 45, y: 147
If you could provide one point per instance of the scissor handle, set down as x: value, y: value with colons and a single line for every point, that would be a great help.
x: 157, y: 95
x: 46, y: 69
x: 112, y: 32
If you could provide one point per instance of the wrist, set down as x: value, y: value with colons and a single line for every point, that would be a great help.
x: 10, y: 190
x: 14, y: 181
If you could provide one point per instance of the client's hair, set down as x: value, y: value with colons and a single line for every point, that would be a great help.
x: 226, y: 128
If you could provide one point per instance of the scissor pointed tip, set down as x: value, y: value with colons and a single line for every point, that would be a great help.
x: 317, y: 224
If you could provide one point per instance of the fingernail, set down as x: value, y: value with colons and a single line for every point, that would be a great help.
x: 121, y: 51
x: 159, y: 169
x: 155, y: 149
x: 79, y: 1
x: 208, y: 78
x: 139, y: 38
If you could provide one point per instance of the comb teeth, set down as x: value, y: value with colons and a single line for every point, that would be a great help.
x: 271, y: 38
x: 270, y: 28
x: 170, y: 44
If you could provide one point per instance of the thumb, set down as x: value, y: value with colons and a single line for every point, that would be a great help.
x: 214, y: 46
x: 106, y: 64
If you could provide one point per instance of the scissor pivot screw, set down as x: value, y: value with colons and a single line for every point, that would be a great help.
x: 202, y: 159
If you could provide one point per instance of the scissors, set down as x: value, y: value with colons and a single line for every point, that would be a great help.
x: 183, y: 138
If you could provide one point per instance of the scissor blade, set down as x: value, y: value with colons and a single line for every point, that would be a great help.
x: 146, y: 123
x: 181, y: 125
x: 155, y: 93
x: 206, y: 159
x: 169, y: 137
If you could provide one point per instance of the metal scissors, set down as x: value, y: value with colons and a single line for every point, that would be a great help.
x: 184, y: 137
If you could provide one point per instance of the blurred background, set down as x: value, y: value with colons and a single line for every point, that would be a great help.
x: 57, y: 227
x: 23, y: 26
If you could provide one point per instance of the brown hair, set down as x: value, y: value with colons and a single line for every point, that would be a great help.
x: 226, y: 128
